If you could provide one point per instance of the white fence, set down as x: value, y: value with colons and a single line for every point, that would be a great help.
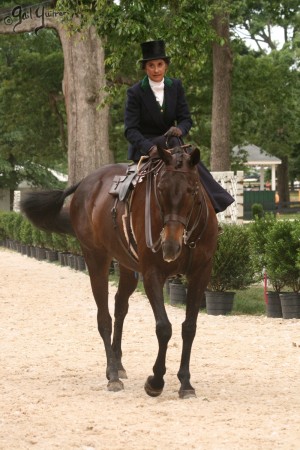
x: 234, y: 185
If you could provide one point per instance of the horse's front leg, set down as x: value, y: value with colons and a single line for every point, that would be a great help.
x: 196, y: 287
x: 153, y: 283
x: 127, y: 284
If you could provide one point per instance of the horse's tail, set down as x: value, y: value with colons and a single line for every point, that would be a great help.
x: 45, y: 209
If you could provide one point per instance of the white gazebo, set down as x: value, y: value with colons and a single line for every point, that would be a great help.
x: 257, y: 157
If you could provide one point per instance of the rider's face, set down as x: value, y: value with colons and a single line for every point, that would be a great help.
x: 156, y: 69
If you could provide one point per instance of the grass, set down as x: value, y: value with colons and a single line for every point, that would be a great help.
x: 249, y: 301
x: 288, y: 216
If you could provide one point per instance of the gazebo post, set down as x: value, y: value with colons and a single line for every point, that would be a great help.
x: 262, y: 178
x: 273, y: 177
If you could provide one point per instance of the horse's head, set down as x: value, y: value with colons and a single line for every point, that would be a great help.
x: 178, y: 196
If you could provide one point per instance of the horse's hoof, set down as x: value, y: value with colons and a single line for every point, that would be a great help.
x: 151, y: 391
x: 115, y: 386
x: 122, y: 374
x: 188, y: 393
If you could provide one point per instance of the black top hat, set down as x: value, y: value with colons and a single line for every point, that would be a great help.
x: 154, y: 50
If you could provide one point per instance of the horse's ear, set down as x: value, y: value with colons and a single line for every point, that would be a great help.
x: 194, y: 157
x: 165, y: 155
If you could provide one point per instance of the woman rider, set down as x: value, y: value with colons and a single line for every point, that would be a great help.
x: 157, y: 113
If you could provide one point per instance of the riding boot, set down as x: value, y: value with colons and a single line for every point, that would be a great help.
x: 219, y: 197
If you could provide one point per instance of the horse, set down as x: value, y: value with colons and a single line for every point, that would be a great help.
x: 167, y: 227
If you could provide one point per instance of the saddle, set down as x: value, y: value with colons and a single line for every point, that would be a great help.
x: 122, y: 185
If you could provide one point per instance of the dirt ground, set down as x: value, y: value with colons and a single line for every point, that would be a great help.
x: 52, y: 373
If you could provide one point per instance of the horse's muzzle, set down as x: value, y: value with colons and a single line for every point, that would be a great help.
x: 171, y: 241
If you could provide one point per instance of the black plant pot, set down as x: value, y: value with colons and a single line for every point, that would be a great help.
x: 290, y: 304
x: 71, y: 261
x: 51, y: 255
x: 177, y: 293
x: 274, y: 305
x: 80, y: 263
x: 219, y: 303
x: 40, y: 253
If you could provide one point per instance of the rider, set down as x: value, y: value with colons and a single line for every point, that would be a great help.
x: 157, y: 114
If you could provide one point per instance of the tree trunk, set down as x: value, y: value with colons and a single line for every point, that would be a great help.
x: 88, y: 144
x: 84, y: 79
x: 222, y: 69
x: 283, y: 180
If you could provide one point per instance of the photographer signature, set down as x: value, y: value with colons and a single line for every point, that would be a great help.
x: 19, y: 14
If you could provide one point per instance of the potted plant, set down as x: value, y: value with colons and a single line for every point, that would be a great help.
x: 178, y: 289
x: 26, y: 235
x: 61, y: 246
x: 259, y: 230
x: 51, y: 251
x: 232, y: 269
x: 38, y: 241
x: 2, y: 229
x: 257, y: 210
x: 76, y: 260
x: 282, y: 253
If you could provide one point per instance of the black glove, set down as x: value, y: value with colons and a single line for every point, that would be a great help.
x: 153, y: 152
x: 173, y: 131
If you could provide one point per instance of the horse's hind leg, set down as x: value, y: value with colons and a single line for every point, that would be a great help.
x: 98, y: 265
x: 127, y: 284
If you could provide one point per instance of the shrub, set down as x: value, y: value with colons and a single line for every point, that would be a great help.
x: 73, y: 245
x: 2, y: 230
x: 39, y: 237
x: 26, y: 232
x: 257, y: 210
x: 282, y: 255
x: 259, y: 230
x: 60, y: 242
x: 17, y: 220
x: 8, y: 221
x: 232, y: 264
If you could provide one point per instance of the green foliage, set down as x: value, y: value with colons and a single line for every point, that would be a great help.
x: 26, y: 232
x: 41, y: 238
x: 60, y: 242
x: 10, y: 223
x: 31, y: 109
x: 17, y: 222
x: 3, y: 234
x: 267, y: 114
x: 73, y: 245
x: 282, y: 254
x: 232, y: 264
x: 257, y: 210
x: 259, y: 230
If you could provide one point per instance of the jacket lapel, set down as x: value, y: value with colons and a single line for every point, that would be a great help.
x: 169, y: 100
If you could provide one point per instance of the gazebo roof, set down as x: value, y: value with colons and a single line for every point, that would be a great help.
x: 256, y: 156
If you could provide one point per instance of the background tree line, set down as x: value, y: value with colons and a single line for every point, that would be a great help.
x: 237, y: 94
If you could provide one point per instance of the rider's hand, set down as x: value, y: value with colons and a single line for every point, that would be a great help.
x: 153, y: 152
x: 174, y: 131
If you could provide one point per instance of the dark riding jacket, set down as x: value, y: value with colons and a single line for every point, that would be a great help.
x: 146, y: 119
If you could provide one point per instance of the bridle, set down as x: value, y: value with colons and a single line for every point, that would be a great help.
x: 153, y: 172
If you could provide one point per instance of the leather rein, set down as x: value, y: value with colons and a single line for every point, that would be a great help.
x: 153, y: 172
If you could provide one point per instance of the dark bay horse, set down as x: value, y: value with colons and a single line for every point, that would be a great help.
x: 174, y: 226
